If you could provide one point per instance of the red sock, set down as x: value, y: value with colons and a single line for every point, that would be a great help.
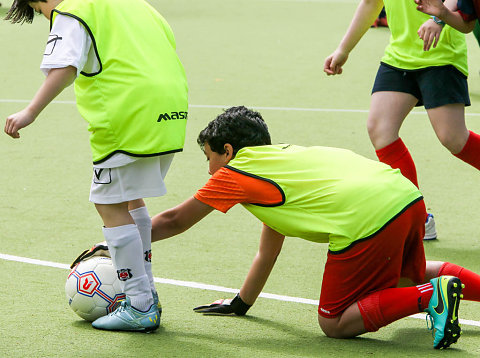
x: 471, y: 151
x: 397, y: 155
x: 384, y: 307
x: 470, y: 279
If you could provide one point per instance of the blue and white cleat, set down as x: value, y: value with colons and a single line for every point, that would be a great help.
x: 430, y: 231
x: 128, y: 318
x: 443, y: 310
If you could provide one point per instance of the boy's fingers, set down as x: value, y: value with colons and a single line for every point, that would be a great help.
x: 10, y: 129
x: 216, y: 310
x: 220, y: 307
x: 204, y: 307
x: 327, y: 66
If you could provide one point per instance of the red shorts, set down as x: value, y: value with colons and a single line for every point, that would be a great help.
x: 376, y: 263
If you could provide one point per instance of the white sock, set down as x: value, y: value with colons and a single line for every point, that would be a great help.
x: 144, y: 225
x: 125, y: 246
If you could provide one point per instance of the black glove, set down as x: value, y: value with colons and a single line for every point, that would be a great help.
x: 225, y: 307
x: 100, y: 249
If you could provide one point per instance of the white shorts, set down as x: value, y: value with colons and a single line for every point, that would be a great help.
x: 142, y: 178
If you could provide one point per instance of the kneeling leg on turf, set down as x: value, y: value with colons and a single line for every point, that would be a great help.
x: 383, y: 307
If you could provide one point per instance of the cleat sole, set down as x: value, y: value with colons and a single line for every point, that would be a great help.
x: 452, y: 330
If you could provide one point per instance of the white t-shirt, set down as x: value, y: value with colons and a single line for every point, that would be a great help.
x: 70, y: 45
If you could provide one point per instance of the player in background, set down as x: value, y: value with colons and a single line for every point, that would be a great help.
x: 370, y: 215
x: 461, y: 15
x: 409, y: 76
x: 130, y: 87
x: 381, y: 20
x: 467, y: 9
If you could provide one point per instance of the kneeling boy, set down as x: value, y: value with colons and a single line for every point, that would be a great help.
x: 370, y: 214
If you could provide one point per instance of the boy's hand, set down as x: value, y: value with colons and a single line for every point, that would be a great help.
x: 224, y: 307
x: 334, y: 63
x: 429, y: 32
x: 430, y: 7
x: 17, y: 121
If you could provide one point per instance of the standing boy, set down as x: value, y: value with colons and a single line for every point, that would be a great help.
x: 131, y: 88
x: 371, y: 216
x: 410, y: 76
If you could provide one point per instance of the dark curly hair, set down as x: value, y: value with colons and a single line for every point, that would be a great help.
x: 238, y: 126
x: 21, y: 12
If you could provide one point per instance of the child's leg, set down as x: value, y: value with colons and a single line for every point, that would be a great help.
x: 142, y: 219
x: 378, y: 310
x: 397, y: 156
x: 471, y: 150
x: 126, y: 249
x: 449, y: 124
x: 386, y: 306
x: 366, y: 273
x: 387, y: 113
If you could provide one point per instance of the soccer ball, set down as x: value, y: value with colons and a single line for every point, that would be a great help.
x: 93, y: 288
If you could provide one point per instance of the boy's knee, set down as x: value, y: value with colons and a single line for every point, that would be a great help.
x: 332, y: 328
x: 453, y: 141
x: 380, y: 132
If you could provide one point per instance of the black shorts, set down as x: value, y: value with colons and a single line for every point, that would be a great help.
x: 432, y: 86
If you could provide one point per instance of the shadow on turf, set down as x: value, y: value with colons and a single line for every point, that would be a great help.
x: 417, y: 335
x: 410, y: 342
x: 292, y: 340
x: 81, y: 324
x: 306, y: 343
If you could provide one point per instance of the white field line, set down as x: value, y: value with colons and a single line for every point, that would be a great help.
x: 203, y: 286
x: 266, y: 108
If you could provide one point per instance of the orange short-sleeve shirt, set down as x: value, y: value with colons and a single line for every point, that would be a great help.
x: 227, y: 188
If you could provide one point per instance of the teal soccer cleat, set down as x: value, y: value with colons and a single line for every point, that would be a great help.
x: 156, y: 301
x: 443, y: 310
x: 128, y: 318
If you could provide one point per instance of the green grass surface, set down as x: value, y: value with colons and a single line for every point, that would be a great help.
x: 260, y: 53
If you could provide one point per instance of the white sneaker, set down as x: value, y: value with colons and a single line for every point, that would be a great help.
x: 430, y: 232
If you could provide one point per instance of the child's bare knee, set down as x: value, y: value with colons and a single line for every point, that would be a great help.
x: 331, y: 327
x: 453, y: 141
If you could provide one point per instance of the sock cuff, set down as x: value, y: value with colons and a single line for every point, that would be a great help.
x: 141, y: 217
x: 392, y: 152
x: 469, y: 145
x: 370, y: 310
x: 450, y: 269
x: 119, y: 236
x: 426, y: 291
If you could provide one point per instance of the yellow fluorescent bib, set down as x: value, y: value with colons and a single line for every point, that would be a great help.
x: 331, y: 195
x: 405, y: 50
x: 137, y: 103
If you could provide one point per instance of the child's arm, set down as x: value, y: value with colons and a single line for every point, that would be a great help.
x: 366, y: 13
x: 178, y: 219
x: 270, y: 246
x: 56, y: 81
x: 447, y: 12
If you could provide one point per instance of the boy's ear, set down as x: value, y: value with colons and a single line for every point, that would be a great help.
x: 228, y: 151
